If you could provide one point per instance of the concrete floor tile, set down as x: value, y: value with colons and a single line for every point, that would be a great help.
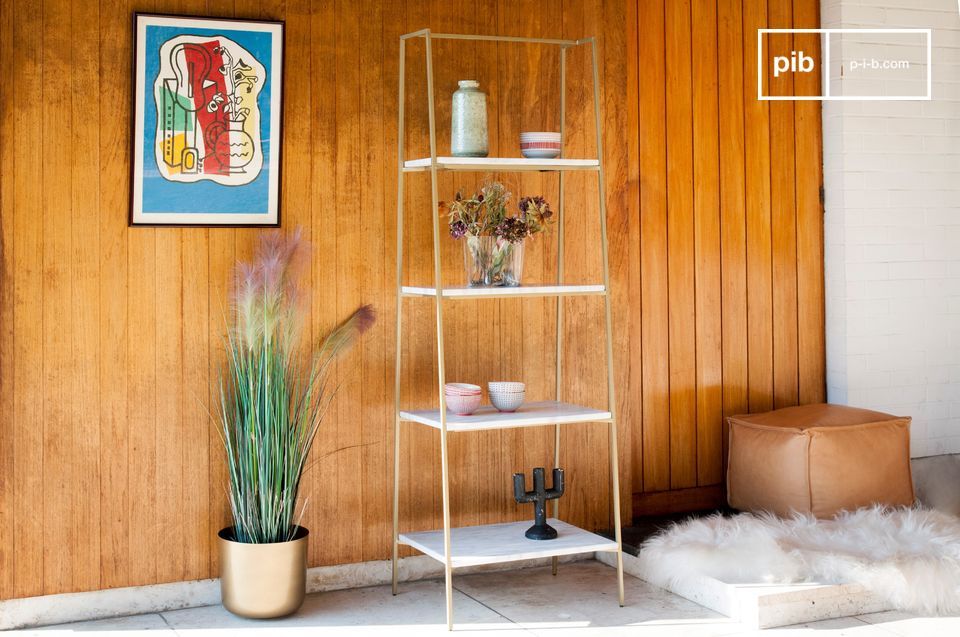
x: 582, y: 600
x: 839, y: 627
x: 417, y: 610
x: 116, y: 627
x: 907, y: 625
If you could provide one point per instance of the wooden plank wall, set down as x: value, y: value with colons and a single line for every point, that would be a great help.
x: 730, y: 233
x: 111, y: 474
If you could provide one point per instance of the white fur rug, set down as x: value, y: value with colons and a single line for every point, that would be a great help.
x: 911, y: 557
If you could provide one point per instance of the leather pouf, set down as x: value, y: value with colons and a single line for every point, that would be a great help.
x: 818, y: 459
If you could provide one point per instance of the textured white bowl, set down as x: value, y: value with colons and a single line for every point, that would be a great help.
x: 505, y: 386
x: 540, y: 153
x: 507, y: 402
x: 463, y: 405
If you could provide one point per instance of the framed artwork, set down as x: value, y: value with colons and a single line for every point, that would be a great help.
x: 206, y: 121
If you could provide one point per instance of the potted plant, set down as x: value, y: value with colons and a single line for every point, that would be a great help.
x: 493, y: 240
x: 273, y: 397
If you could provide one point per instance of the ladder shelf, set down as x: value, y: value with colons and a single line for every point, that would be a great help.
x: 492, y: 543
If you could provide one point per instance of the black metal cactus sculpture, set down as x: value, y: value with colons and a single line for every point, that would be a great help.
x: 539, y: 496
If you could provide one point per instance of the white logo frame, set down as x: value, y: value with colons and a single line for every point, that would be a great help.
x: 825, y: 68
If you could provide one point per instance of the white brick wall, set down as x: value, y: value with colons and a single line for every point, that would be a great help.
x: 892, y: 235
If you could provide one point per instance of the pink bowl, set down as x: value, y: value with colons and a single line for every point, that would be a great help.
x: 461, y: 389
x: 463, y: 405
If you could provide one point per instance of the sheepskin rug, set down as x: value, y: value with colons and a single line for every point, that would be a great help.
x: 911, y: 557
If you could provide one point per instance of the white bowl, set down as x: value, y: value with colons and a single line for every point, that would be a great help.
x: 540, y: 153
x: 505, y: 386
x: 507, y: 402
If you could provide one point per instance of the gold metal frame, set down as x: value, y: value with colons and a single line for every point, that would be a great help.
x: 428, y: 37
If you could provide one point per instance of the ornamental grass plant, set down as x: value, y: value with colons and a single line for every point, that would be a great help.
x: 276, y: 388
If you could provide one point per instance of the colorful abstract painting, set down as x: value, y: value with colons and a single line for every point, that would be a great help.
x: 206, y: 121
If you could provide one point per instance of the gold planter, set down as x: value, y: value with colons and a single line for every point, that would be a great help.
x: 260, y: 581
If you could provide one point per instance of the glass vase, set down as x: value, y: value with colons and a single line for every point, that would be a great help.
x: 477, y: 252
x: 488, y: 261
x: 506, y: 264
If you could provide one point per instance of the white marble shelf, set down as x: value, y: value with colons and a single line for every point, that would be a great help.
x: 495, y: 543
x: 508, y: 164
x: 465, y: 292
x: 547, y: 412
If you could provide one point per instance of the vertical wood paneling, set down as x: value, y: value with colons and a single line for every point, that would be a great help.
x: 681, y: 246
x: 141, y: 516
x: 221, y: 258
x: 111, y: 337
x: 169, y: 424
x: 809, y: 172
x: 760, y: 317
x: 373, y: 456
x: 733, y: 267
x: 706, y: 203
x: 348, y: 280
x: 391, y: 62
x: 197, y: 424
x: 58, y: 435
x: 783, y: 219
x: 28, y: 295
x: 115, y: 41
x: 321, y: 130
x: 654, y: 300
x: 7, y: 389
x: 85, y: 302
x: 634, y: 350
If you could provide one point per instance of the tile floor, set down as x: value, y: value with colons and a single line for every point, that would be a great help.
x: 525, y: 603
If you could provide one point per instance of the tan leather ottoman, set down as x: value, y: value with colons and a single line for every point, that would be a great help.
x: 818, y: 459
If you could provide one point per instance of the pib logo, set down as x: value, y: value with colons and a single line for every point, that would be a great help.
x: 796, y: 62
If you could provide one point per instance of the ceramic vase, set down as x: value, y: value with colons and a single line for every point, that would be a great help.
x: 468, y: 130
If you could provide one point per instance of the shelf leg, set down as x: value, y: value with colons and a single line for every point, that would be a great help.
x: 447, y: 566
x: 444, y: 458
x: 611, y: 397
x: 399, y: 334
x: 555, y: 562
x: 615, y: 479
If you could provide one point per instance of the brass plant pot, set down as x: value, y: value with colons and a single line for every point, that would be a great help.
x: 260, y: 581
